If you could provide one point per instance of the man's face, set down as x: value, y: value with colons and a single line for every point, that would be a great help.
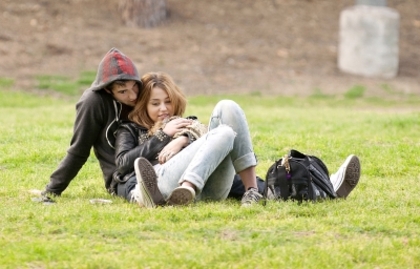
x: 127, y: 93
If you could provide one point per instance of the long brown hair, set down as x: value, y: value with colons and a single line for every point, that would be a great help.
x: 165, y: 82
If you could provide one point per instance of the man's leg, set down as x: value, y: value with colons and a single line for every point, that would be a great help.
x: 347, y: 176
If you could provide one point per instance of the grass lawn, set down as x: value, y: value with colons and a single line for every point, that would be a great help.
x: 377, y: 226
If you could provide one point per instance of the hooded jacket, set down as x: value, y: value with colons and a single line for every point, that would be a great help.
x: 97, y: 118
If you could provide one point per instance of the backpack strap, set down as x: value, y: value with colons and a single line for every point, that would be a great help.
x: 285, y: 184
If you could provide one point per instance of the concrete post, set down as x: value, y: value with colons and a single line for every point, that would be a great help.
x: 371, y: 2
x: 368, y: 40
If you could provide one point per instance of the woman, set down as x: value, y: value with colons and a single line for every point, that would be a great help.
x: 181, y: 170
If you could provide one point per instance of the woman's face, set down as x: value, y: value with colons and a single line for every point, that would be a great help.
x: 159, y: 106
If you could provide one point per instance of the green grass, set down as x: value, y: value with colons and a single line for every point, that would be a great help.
x: 377, y: 226
x: 354, y: 92
x: 6, y: 82
x: 65, y: 85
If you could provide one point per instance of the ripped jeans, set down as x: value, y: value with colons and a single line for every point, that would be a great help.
x: 211, y: 162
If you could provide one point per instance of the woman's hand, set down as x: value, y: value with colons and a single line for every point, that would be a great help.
x: 172, y: 148
x: 175, y: 126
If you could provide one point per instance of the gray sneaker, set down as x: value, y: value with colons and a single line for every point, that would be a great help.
x: 147, y: 184
x: 250, y: 197
x: 182, y: 195
x: 347, y: 176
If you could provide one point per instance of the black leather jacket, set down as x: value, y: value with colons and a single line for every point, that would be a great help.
x: 133, y: 141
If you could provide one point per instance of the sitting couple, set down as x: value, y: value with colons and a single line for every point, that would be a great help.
x: 149, y: 159
x: 177, y: 164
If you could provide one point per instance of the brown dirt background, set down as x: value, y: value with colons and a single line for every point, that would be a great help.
x: 209, y: 46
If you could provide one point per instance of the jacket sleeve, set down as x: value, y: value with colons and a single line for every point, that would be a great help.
x: 128, y: 149
x: 90, y: 117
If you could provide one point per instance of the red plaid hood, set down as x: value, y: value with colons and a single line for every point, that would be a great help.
x: 114, y: 66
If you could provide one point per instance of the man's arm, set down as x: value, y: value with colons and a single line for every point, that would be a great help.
x: 90, y: 119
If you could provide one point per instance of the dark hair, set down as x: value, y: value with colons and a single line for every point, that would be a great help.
x: 120, y: 83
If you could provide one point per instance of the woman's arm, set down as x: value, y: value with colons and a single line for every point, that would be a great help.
x: 171, y: 149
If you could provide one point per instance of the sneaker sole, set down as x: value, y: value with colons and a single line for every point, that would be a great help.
x: 351, y: 177
x: 181, y: 196
x: 146, y: 176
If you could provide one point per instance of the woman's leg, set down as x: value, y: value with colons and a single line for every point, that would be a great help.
x: 229, y: 113
x: 219, y: 183
x: 210, y: 162
x: 197, y: 162
x: 170, y: 172
x: 240, y: 158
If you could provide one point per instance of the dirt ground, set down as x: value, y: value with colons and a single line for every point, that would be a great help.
x: 208, y: 46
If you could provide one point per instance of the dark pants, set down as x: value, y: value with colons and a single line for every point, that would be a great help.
x: 124, y: 189
x: 236, y: 191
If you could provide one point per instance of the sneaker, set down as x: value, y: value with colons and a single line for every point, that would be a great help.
x: 347, y: 176
x: 136, y: 196
x: 250, y: 197
x: 182, y: 195
x: 147, y: 187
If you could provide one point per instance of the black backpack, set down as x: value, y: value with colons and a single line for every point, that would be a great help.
x: 298, y: 177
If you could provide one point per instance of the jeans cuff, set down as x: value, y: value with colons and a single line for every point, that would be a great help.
x: 245, y: 161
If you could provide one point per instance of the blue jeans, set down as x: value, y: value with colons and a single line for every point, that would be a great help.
x: 211, y: 162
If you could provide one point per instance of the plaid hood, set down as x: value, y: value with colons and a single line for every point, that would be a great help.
x: 114, y: 66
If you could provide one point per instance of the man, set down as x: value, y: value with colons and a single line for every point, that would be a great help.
x: 98, y: 112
